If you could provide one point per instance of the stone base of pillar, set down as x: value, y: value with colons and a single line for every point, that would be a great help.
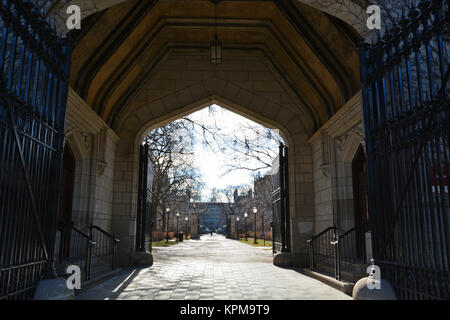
x: 362, y: 292
x: 142, y: 259
x: 283, y: 259
x: 53, y: 289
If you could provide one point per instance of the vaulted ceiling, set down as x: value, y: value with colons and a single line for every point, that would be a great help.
x: 316, y: 53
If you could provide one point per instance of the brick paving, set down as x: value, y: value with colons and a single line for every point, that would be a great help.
x: 212, y: 268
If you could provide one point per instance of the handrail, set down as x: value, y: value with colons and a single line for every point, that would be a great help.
x: 352, y: 246
x: 80, y: 248
x: 113, y: 237
x: 106, y: 252
x: 343, y: 248
x: 322, y: 241
x: 83, y: 234
x: 321, y: 233
x: 346, y: 233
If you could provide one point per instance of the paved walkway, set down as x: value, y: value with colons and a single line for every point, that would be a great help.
x: 212, y: 268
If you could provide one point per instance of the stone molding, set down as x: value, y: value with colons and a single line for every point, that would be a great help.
x: 350, y: 11
x: 84, y: 127
x: 81, y: 116
x: 346, y: 118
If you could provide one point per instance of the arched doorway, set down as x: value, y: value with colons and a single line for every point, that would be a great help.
x: 361, y: 198
x: 66, y: 201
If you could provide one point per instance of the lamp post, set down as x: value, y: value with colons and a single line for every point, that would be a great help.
x: 229, y: 221
x: 167, y: 225
x: 255, y: 211
x: 178, y: 216
x: 263, y: 229
x: 245, y: 216
x: 237, y: 228
x: 194, y: 206
x: 187, y: 219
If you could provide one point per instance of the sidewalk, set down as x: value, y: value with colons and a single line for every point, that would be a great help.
x: 213, y: 268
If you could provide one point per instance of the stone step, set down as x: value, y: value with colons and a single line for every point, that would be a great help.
x: 348, y: 275
x: 356, y: 266
x: 97, y: 278
x: 344, y: 286
x: 98, y: 267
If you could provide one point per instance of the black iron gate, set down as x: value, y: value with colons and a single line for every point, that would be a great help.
x: 280, y: 204
x: 406, y: 114
x: 34, y: 69
x: 144, y: 221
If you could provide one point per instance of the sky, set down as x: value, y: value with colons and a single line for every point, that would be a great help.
x: 211, y: 164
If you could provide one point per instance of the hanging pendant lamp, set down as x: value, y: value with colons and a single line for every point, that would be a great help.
x: 216, y: 46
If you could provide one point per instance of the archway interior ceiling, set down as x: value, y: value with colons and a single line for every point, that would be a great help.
x: 313, y: 54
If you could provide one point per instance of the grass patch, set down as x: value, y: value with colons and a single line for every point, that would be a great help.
x: 163, y: 243
x: 259, y: 244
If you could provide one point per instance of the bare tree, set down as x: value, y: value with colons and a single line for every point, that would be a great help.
x: 263, y: 200
x: 171, y: 156
x: 250, y: 147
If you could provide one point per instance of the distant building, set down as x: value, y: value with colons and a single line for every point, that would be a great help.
x: 213, y: 216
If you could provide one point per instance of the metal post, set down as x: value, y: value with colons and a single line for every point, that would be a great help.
x: 151, y: 235
x: 263, y: 230
x: 335, y: 243
x: 87, y: 275
x: 246, y: 229
x: 255, y: 211
x: 177, y: 236
x: 167, y: 224
x: 255, y: 242
x: 231, y: 215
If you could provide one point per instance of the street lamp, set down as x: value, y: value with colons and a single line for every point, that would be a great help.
x: 167, y: 225
x: 245, y: 216
x: 237, y: 227
x: 255, y: 211
x: 187, y: 219
x: 229, y: 220
x: 178, y: 216
x: 194, y: 205
x: 263, y: 229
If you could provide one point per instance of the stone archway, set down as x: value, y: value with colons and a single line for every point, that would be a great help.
x: 285, y: 71
x: 125, y: 205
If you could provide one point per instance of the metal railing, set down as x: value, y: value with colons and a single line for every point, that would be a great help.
x: 280, y: 202
x: 34, y: 72
x: 341, y: 251
x: 320, y: 247
x: 352, y: 249
x: 76, y: 248
x: 406, y: 107
x: 106, y: 246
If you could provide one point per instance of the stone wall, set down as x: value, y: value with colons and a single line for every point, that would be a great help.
x: 334, y: 148
x: 93, y: 144
x: 323, y: 198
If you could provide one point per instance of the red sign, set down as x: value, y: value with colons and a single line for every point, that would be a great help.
x: 437, y: 179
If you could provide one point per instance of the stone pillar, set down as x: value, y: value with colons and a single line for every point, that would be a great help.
x: 125, y: 207
x: 301, y: 200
